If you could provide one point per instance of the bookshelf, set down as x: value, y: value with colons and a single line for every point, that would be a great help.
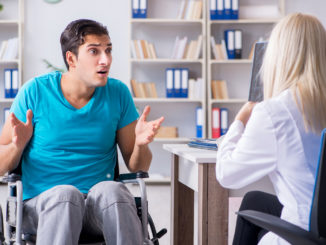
x: 11, y: 26
x: 160, y: 28
x: 236, y: 72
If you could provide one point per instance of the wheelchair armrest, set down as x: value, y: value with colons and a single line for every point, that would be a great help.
x: 288, y: 231
x: 132, y: 176
x: 11, y: 178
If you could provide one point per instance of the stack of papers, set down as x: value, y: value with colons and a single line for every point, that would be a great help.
x: 208, y: 144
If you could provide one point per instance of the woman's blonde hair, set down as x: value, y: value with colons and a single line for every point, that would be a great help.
x: 295, y: 59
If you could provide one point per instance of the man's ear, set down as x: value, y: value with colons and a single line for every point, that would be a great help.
x: 71, y: 59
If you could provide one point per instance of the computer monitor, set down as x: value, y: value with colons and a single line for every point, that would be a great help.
x: 256, y: 91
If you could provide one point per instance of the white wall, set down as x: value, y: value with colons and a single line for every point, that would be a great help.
x: 44, y: 23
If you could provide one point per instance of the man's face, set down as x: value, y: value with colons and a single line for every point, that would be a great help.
x: 94, y: 60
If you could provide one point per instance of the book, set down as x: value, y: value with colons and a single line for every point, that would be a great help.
x: 198, y: 47
x: 167, y: 132
x: 219, y: 89
x: 135, y: 89
x: 214, y: 50
x: 208, y: 144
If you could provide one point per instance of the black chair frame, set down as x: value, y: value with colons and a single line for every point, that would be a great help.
x: 290, y: 232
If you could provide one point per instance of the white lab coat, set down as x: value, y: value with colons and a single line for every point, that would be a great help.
x: 273, y: 143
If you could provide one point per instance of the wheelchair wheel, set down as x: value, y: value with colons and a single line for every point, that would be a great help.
x: 2, y: 238
x: 155, y: 235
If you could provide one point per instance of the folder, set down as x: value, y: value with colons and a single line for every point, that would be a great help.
x: 177, y: 83
x: 224, y: 114
x: 216, y: 129
x: 227, y: 9
x: 220, y: 10
x: 235, y: 10
x: 238, y: 44
x: 199, y: 122
x: 7, y: 78
x: 143, y: 9
x: 6, y: 113
x: 213, y: 9
x: 184, y: 82
x: 135, y: 8
x: 169, y: 82
x: 14, y: 82
x: 229, y: 39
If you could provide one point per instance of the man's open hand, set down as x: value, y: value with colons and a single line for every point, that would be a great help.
x: 21, y: 132
x: 145, y: 131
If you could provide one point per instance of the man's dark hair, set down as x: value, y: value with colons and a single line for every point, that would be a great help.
x: 74, y: 35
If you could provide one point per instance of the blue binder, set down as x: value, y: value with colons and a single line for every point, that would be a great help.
x: 199, y: 122
x: 220, y: 10
x: 14, y: 83
x: 227, y: 9
x: 235, y: 10
x: 7, y: 79
x: 213, y: 9
x: 177, y: 83
x: 224, y: 115
x: 135, y: 9
x: 229, y: 41
x: 184, y: 82
x: 169, y: 77
x: 143, y: 8
x: 238, y: 44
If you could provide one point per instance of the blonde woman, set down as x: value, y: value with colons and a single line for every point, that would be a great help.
x: 280, y: 136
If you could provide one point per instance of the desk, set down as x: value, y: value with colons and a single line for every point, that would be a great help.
x: 193, y: 170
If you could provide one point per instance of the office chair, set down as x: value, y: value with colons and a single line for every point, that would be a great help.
x: 14, y: 211
x: 317, y: 226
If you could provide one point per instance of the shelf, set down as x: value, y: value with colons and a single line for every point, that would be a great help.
x: 166, y: 60
x: 246, y: 21
x: 229, y: 101
x: 8, y: 61
x: 171, y: 140
x: 234, y: 61
x: 2, y: 100
x: 166, y: 21
x: 159, y: 100
x: 9, y: 22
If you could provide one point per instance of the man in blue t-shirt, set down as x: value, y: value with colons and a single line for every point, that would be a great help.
x: 64, y: 129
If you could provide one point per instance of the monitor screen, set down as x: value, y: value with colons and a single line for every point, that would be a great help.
x: 256, y: 91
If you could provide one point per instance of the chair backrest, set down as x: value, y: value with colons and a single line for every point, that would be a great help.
x: 318, y: 210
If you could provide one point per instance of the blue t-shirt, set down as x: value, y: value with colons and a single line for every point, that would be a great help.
x: 71, y: 146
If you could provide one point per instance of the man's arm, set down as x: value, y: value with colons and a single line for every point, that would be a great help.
x: 14, y: 137
x: 133, y: 141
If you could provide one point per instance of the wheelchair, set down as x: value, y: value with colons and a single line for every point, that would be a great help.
x: 14, y: 212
